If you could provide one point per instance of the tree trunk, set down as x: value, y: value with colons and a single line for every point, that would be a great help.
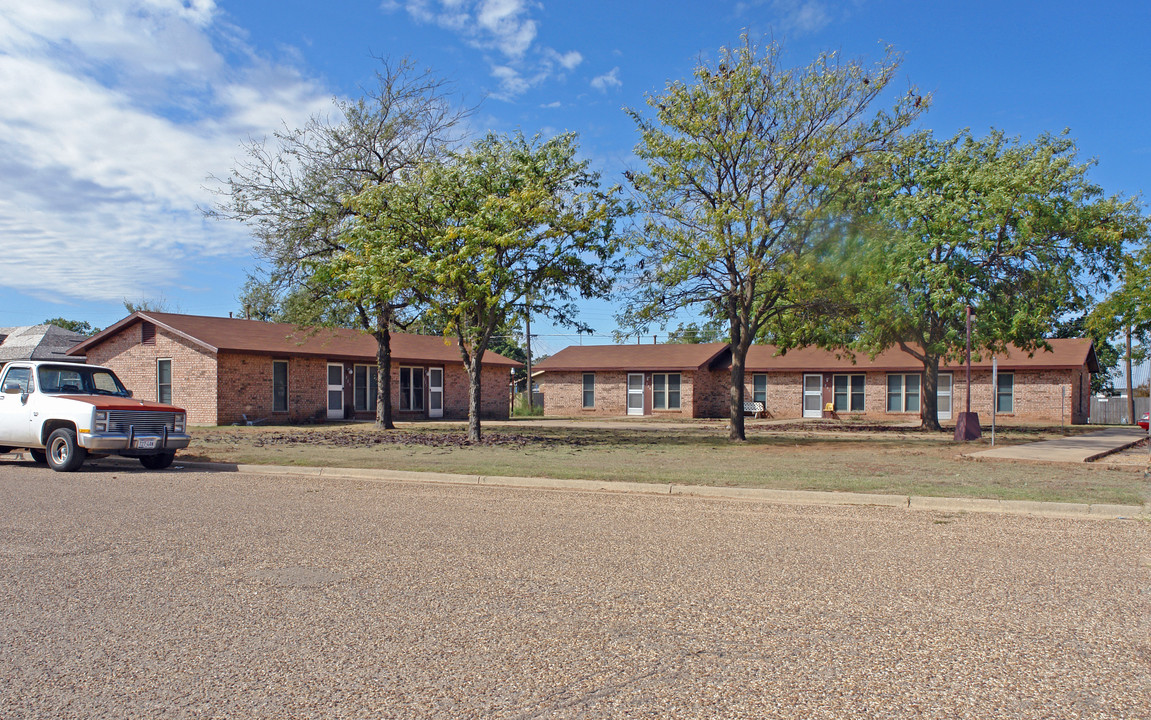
x: 738, y: 372
x: 1130, y: 391
x: 384, y: 379
x: 475, y: 368
x: 930, y: 394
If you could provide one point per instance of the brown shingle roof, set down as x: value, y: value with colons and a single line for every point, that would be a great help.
x: 632, y: 357
x: 1064, y: 353
x: 252, y: 336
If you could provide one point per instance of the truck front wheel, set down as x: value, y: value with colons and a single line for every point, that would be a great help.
x: 64, y: 454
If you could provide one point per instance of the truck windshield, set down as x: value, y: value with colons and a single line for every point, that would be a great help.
x: 79, y: 379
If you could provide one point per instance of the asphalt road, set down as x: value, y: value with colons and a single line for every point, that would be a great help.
x: 181, y: 594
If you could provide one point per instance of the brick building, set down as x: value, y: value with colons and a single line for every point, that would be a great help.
x: 611, y: 380
x: 1047, y: 386
x: 228, y: 370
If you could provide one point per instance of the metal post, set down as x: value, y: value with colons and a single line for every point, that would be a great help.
x: 967, y: 428
x: 994, y: 395
x: 528, y: 343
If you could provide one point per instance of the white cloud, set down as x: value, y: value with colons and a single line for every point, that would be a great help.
x: 607, y: 80
x: 504, y: 27
x: 114, y: 114
x: 802, y: 17
x: 568, y: 60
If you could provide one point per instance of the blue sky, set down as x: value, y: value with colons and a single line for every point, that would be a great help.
x: 115, y: 113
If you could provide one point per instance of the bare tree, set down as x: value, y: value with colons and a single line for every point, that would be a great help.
x: 291, y: 191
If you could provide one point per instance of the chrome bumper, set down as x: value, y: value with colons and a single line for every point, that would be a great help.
x: 134, y: 444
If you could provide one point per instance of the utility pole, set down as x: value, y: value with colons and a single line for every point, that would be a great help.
x: 967, y: 427
x: 528, y: 342
x: 1130, y: 390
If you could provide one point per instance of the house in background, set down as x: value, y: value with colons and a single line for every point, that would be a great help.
x: 38, y: 342
x: 1047, y: 386
x: 674, y: 380
x: 229, y: 370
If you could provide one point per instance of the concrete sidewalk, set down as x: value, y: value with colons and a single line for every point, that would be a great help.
x: 1080, y: 448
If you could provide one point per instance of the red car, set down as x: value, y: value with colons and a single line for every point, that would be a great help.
x: 1146, y: 419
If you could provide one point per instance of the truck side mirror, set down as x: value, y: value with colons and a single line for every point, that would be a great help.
x: 13, y: 387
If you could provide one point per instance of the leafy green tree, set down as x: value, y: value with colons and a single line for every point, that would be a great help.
x: 1106, y: 352
x: 709, y: 331
x: 80, y: 326
x: 159, y: 304
x: 480, y: 232
x: 743, y: 164
x: 1127, y: 312
x: 291, y: 192
x: 1014, y: 230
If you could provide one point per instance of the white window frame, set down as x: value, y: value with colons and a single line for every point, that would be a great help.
x: 905, y: 397
x: 287, y: 386
x: 661, y: 392
x: 160, y: 385
x: 369, y: 386
x: 1010, y: 395
x: 851, y: 393
x: 589, y: 390
x: 759, y: 394
x: 409, y: 396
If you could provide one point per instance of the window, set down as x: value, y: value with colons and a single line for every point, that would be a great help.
x: 759, y: 389
x: 22, y: 376
x: 1005, y: 393
x: 164, y: 381
x: 411, y: 388
x: 848, y: 393
x: 665, y: 391
x: 589, y: 390
x: 280, y: 386
x: 147, y: 334
x: 903, y: 393
x: 364, y: 388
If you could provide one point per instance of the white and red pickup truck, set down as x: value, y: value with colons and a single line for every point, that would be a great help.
x: 65, y: 412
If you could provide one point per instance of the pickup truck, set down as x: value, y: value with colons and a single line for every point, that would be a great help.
x: 62, y: 413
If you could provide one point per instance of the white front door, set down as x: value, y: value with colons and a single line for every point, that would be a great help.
x: 812, y: 396
x: 335, y: 391
x: 435, y: 392
x: 943, y: 397
x: 635, y: 394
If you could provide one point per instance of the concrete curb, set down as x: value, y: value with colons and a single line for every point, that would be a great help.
x: 1105, y: 453
x: 787, y: 497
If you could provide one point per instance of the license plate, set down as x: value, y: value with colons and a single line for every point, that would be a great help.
x: 146, y: 444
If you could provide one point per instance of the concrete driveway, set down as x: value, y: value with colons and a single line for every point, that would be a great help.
x: 183, y: 594
x: 1088, y: 447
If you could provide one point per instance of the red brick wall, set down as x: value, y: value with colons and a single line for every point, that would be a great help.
x: 245, y: 388
x: 223, y: 390
x: 563, y: 395
x: 194, y: 370
x: 1041, y: 396
x: 495, y: 393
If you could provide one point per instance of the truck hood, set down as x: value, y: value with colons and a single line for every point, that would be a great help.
x: 105, y: 402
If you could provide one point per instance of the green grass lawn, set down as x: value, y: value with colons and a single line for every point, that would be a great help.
x: 803, y: 457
